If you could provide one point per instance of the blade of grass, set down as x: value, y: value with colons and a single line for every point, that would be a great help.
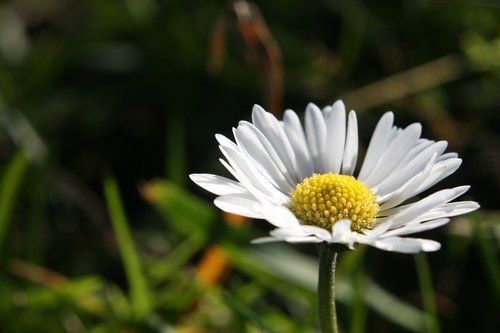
x: 246, y: 312
x: 9, y: 188
x: 162, y: 270
x: 384, y: 303
x: 359, y: 310
x: 487, y: 254
x: 138, y: 287
x: 427, y: 291
x: 183, y: 211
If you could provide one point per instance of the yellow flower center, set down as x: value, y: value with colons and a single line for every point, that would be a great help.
x: 322, y: 200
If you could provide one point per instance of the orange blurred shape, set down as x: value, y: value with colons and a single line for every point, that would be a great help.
x: 213, y: 266
x: 236, y: 220
x: 37, y: 274
x: 149, y: 191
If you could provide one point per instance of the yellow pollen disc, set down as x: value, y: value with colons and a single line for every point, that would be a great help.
x: 322, y: 200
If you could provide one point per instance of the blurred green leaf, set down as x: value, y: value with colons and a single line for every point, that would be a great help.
x: 358, y: 309
x: 488, y: 251
x: 182, y: 210
x: 427, y: 292
x: 394, y: 309
x: 9, y: 188
x: 161, y: 270
x: 137, y: 281
x: 247, y: 313
x: 482, y: 53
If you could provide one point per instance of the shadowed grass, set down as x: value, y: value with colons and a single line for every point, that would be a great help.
x: 427, y: 292
x: 11, y: 182
x: 138, y: 288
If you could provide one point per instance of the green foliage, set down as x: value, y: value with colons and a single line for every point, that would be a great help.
x: 139, y: 294
x: 11, y: 181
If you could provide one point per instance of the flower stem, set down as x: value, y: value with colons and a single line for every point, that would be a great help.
x: 326, y: 288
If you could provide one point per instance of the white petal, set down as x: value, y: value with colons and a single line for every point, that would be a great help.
x: 306, y: 239
x: 378, y: 230
x: 279, y: 216
x: 407, y: 190
x: 315, y: 129
x: 393, y: 154
x: 378, y: 143
x: 264, y: 161
x: 342, y: 233
x: 326, y: 111
x: 449, y: 210
x: 244, y: 205
x: 217, y: 184
x: 295, y: 133
x: 263, y: 240
x: 303, y: 239
x: 273, y: 154
x: 441, y: 170
x: 351, y: 145
x: 274, y: 132
x: 410, y: 168
x: 335, y: 137
x: 447, y: 156
x: 288, y: 232
x: 406, y: 245
x: 420, y: 146
x: 317, y: 232
x: 433, y: 173
x: 405, y: 214
x: 416, y: 227
x: 294, y: 236
x: 246, y: 172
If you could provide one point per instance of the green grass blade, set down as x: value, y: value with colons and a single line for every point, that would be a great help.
x: 183, y: 211
x: 9, y: 188
x: 384, y: 303
x: 359, y: 309
x: 487, y: 254
x: 427, y: 291
x: 246, y: 312
x: 162, y: 270
x: 137, y: 283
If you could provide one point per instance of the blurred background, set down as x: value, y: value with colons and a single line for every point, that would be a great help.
x: 106, y: 106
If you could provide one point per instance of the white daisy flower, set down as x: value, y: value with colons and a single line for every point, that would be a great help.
x: 300, y: 179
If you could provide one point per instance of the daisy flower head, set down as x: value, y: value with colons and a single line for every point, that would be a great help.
x: 300, y: 178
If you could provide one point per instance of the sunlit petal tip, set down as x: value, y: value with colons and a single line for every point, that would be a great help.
x: 217, y: 184
x: 387, y: 116
x: 338, y: 105
x: 430, y: 245
x: 258, y: 108
x: 406, y: 245
x: 311, y: 105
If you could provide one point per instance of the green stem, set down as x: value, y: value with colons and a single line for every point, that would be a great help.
x: 326, y: 289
